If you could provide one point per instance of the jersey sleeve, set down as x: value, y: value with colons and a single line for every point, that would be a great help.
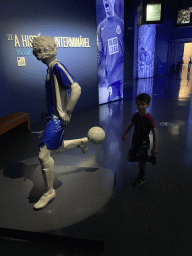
x: 152, y: 121
x: 64, y: 78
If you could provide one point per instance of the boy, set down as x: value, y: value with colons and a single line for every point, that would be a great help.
x: 62, y: 94
x: 143, y: 122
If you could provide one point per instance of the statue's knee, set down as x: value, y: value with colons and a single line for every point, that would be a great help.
x: 40, y: 156
x: 44, y: 155
x: 49, y: 163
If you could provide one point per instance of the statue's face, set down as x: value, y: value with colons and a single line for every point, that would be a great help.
x: 43, y: 60
x: 36, y: 55
x: 37, y: 58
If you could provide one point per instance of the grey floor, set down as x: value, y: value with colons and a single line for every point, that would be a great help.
x: 153, y: 219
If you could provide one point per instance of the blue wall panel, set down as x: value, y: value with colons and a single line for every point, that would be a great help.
x: 57, y: 19
x: 146, y: 50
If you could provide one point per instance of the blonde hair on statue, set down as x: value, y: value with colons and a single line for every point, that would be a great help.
x: 44, y: 47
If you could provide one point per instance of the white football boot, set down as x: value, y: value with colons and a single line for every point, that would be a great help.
x: 83, y: 145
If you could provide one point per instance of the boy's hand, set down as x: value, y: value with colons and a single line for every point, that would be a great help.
x: 123, y: 138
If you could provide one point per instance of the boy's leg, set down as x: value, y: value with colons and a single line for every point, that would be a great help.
x: 132, y: 154
x: 143, y: 158
x: 67, y: 144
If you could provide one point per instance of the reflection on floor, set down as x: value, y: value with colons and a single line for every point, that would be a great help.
x: 153, y: 219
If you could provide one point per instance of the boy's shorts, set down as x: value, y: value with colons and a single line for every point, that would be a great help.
x: 53, y: 135
x: 138, y: 148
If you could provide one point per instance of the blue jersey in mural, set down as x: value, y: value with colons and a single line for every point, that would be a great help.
x: 110, y: 43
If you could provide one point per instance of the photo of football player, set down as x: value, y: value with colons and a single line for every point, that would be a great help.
x: 110, y: 47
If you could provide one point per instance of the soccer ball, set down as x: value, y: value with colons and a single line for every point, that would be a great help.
x: 96, y: 135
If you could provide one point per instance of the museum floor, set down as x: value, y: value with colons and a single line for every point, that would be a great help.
x: 95, y: 199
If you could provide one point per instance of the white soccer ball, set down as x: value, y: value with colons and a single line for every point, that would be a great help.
x: 96, y: 135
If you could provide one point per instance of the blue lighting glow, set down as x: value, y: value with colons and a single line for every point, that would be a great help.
x: 146, y: 48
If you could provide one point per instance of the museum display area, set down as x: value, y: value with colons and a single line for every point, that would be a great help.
x: 71, y: 71
x: 21, y: 22
x: 23, y: 84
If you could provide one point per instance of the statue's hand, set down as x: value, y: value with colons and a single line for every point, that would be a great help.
x: 66, y: 118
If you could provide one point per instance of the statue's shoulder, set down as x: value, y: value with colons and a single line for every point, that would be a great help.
x: 54, y: 64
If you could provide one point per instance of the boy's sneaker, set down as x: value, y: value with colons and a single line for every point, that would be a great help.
x: 138, y: 182
x: 153, y: 159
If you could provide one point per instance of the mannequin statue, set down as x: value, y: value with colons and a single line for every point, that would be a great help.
x: 62, y: 94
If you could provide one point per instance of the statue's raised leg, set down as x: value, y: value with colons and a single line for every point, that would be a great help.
x: 67, y: 144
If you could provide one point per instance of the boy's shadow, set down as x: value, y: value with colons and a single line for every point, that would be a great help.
x: 33, y: 172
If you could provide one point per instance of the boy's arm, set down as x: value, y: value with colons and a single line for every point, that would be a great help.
x: 155, y: 138
x: 127, y: 129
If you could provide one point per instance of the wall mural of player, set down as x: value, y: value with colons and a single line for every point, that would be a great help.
x: 62, y: 95
x: 110, y: 45
x: 145, y: 64
x: 146, y: 48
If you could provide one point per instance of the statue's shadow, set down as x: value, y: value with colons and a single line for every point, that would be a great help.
x: 33, y: 173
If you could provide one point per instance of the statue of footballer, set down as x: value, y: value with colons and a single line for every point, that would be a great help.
x: 62, y: 95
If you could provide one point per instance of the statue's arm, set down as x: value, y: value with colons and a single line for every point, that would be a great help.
x: 75, y: 95
x: 62, y: 79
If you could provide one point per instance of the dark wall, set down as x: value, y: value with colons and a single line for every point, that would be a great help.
x: 23, y: 88
x: 165, y: 34
x: 181, y: 33
x: 168, y: 35
x: 163, y: 37
x: 6, y: 105
x: 129, y: 16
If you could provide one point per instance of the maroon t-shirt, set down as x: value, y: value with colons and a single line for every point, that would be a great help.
x: 142, y: 127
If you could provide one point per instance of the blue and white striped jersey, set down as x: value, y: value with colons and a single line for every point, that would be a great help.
x: 58, y: 84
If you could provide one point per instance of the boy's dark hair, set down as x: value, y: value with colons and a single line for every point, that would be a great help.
x: 143, y: 97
